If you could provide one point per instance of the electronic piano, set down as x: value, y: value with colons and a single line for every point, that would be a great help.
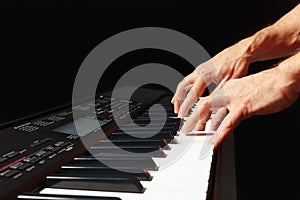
x: 42, y: 157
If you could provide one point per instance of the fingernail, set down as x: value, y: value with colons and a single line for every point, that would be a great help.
x: 179, y: 114
x: 200, y: 127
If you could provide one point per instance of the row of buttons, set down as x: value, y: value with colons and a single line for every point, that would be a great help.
x: 15, y: 168
x: 11, y: 154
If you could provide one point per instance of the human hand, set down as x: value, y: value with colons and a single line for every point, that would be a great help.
x: 263, y: 93
x: 231, y: 63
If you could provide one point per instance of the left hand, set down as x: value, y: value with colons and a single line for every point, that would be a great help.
x: 232, y: 62
x: 237, y: 99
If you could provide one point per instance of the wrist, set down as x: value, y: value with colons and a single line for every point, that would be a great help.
x: 258, y: 43
x: 290, y: 73
x: 274, y: 41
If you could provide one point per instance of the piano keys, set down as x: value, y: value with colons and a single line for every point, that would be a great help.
x: 172, y: 176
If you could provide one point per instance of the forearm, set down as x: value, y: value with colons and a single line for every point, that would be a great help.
x: 277, y: 40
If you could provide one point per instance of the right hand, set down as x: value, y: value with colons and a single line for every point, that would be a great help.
x: 230, y: 63
x: 262, y: 93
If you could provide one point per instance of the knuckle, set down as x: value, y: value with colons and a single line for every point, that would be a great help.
x: 205, y: 103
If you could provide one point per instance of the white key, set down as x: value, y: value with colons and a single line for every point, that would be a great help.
x: 187, y: 177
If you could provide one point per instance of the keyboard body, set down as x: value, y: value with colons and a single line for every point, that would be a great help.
x: 35, y: 149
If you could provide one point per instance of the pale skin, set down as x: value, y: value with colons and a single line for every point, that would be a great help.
x: 237, y: 96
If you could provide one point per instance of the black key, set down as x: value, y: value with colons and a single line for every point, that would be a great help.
x: 115, y: 162
x: 105, y: 172
x: 167, y: 108
x: 123, y: 136
x: 62, y: 197
x: 143, y: 133
x: 150, y: 151
x: 146, y: 129
x: 158, y: 115
x: 156, y: 120
x: 143, y: 123
x: 149, y: 131
x: 95, y: 183
x: 168, y: 122
x: 3, y: 160
x: 136, y: 143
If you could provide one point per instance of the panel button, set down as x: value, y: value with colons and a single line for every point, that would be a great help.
x: 3, y: 160
x: 52, y: 156
x: 45, y: 140
x: 35, y: 143
x: 55, y: 149
x: 24, y: 166
x: 11, y: 154
x: 17, y: 175
x: 17, y: 165
x: 14, y: 154
x: 29, y: 169
x: 4, y: 172
x: 11, y: 173
x: 46, y: 154
x: 36, y: 160
x: 65, y: 144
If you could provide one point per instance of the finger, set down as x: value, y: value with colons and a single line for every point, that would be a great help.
x: 172, y: 100
x: 180, y: 93
x: 184, y: 86
x: 191, y: 122
x: 232, y: 119
x: 176, y: 106
x: 218, y: 118
x: 204, y: 74
x: 204, y: 116
x: 193, y: 95
x: 200, y: 126
x: 201, y: 114
x: 202, y: 121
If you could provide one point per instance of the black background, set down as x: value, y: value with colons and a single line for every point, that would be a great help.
x: 42, y: 44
